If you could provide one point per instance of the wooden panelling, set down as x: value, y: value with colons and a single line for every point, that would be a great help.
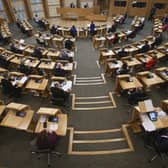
x: 113, y: 10
x: 134, y: 11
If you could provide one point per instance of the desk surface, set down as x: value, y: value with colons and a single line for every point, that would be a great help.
x: 131, y: 62
x: 130, y: 85
x: 60, y: 127
x: 162, y: 120
x: 32, y: 84
x: 13, y: 121
x: 151, y: 81
x: 47, y: 66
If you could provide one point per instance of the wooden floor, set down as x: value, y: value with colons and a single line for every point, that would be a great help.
x: 77, y: 23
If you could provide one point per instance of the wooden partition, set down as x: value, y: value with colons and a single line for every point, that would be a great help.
x: 162, y: 7
x: 139, y: 11
x: 79, y: 12
x: 118, y: 8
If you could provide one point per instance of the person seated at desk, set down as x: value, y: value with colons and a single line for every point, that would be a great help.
x: 131, y: 34
x: 58, y: 93
x: 145, y: 47
x: 150, y: 63
x: 64, y: 54
x: 123, y: 70
x: 54, y: 29
x: 113, y: 28
x: 157, y: 40
x: 36, y: 18
x: 73, y: 31
x: 72, y: 5
x: 69, y: 44
x: 13, y: 47
x: 92, y: 28
x: 7, y: 87
x: 136, y: 95
x: 164, y: 19
x: 40, y: 39
x: 18, y: 23
x: 17, y: 91
x: 122, y: 20
x: 3, y: 62
x: 115, y: 38
x: 86, y: 5
x: 59, y: 71
x: 122, y: 53
x: 46, y: 139
x: 24, y: 69
x: 37, y: 53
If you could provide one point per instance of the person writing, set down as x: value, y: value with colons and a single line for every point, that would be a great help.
x: 46, y: 139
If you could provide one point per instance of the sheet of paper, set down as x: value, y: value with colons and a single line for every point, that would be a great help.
x: 147, y: 123
x: 53, y: 126
x: 43, y: 118
x: 149, y: 105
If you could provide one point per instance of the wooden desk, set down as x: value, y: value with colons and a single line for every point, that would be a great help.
x: 148, y: 82
x: 29, y: 50
x: 7, y: 55
x: 111, y: 67
x: 48, y: 111
x: 106, y: 54
x: 18, y: 122
x: 59, y: 127
x: 97, y: 41
x: 75, y: 13
x: 17, y: 106
x: 139, y: 118
x: 58, y: 41
x: 157, y: 53
x: 82, y: 32
x: 37, y: 85
x: 31, y: 62
x: 53, y: 54
x: 2, y: 108
x: 47, y: 65
x: 17, y: 59
x: 92, y: 17
x: 122, y: 83
x: 131, y: 61
x: 143, y: 57
x: 164, y: 105
x: 19, y: 79
x: 125, y: 85
x: 162, y: 72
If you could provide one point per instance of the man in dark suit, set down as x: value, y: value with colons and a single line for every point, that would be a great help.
x: 58, y: 94
x: 122, y: 53
x: 54, y: 29
x: 37, y: 53
x: 69, y: 44
x: 59, y: 71
x: 145, y: 47
x: 73, y: 31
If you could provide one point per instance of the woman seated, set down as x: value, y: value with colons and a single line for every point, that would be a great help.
x: 150, y: 63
